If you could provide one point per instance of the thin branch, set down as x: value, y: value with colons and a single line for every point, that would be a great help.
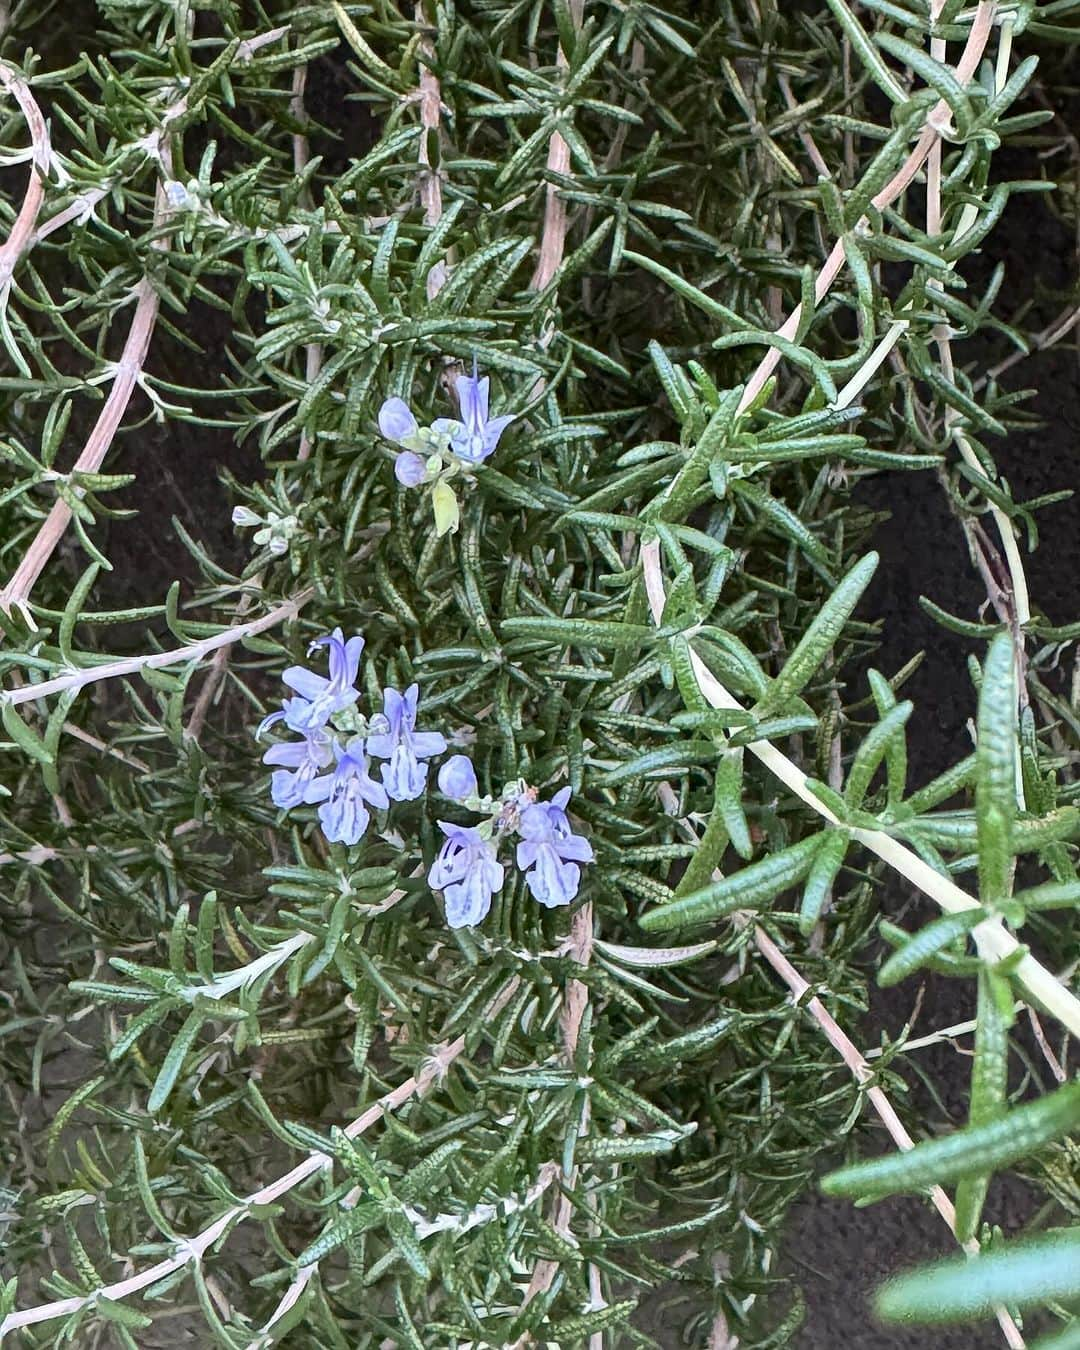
x: 848, y: 1052
x: 863, y: 1075
x: 993, y: 941
x: 430, y: 115
x: 40, y: 162
x: 553, y: 236
x: 195, y: 651
x: 126, y: 372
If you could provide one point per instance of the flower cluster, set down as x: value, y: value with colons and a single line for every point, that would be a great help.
x: 467, y: 869
x: 329, y: 765
x: 336, y: 739
x: 436, y: 454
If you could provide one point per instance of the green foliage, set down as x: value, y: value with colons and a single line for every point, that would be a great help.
x: 251, y: 233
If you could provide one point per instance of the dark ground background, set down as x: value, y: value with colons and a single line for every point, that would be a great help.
x: 837, y: 1253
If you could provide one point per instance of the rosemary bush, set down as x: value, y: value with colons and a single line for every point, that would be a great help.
x: 312, y: 1068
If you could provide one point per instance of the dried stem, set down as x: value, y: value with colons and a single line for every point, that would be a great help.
x: 126, y: 372
x: 40, y: 162
x: 863, y: 1075
x: 852, y: 1057
x: 937, y: 118
x: 553, y: 236
x: 430, y: 117
x: 579, y: 946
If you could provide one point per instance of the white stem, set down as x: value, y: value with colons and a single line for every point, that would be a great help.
x: 871, y: 365
x: 78, y: 679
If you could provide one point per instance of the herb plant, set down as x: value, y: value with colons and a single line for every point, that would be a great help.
x: 500, y: 984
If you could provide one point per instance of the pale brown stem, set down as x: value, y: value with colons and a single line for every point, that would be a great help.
x: 214, y: 677
x: 301, y: 148
x: 848, y: 1052
x: 430, y: 117
x: 1052, y: 334
x: 132, y: 761
x: 579, y: 946
x: 125, y: 376
x: 1053, y: 1063
x: 127, y: 371
x: 553, y: 236
x: 41, y: 158
x: 862, y: 1074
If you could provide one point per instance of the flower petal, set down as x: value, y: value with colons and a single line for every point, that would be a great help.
x: 396, y: 421
x: 473, y: 400
x: 291, y: 754
x: 427, y: 743
x: 493, y: 430
x: 409, y: 469
x: 457, y: 778
x: 306, y: 683
x: 268, y: 721
x: 403, y: 775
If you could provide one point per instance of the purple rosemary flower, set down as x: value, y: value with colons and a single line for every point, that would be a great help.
x: 468, y: 874
x: 304, y: 758
x: 396, y: 421
x: 551, y: 848
x: 346, y: 794
x: 403, y: 746
x: 409, y: 469
x: 457, y: 778
x: 320, y: 697
x: 476, y: 435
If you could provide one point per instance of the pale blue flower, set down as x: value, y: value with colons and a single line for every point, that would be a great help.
x: 396, y: 421
x: 457, y: 778
x: 322, y: 697
x: 409, y: 469
x: 346, y: 794
x: 468, y: 874
x: 475, y: 437
x: 403, y: 746
x: 305, y: 758
x: 551, y: 848
x: 292, y: 712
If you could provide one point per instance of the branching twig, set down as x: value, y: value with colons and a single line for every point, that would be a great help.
x: 863, y: 1074
x: 126, y: 372
x: 430, y: 117
x: 936, y: 119
x: 131, y: 665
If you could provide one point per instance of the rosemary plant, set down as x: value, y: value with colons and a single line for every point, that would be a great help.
x: 500, y: 985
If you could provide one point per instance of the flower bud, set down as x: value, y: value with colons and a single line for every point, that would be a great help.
x: 244, y: 516
x: 457, y: 778
x: 409, y: 469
